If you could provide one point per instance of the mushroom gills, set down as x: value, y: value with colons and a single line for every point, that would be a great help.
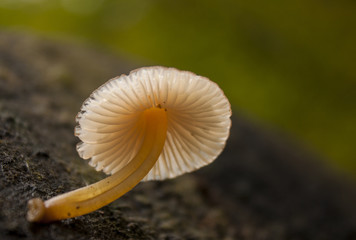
x: 97, y: 195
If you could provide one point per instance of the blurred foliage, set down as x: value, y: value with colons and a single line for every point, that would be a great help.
x: 290, y: 64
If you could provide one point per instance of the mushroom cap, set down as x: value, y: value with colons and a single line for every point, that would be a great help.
x: 198, y: 115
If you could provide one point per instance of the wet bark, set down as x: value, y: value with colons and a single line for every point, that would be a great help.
x: 263, y: 186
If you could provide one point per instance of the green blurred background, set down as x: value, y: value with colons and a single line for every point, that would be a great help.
x: 289, y: 65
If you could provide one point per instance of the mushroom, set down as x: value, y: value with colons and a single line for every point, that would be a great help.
x: 153, y: 124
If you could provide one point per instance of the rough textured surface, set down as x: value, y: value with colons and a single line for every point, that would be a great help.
x: 262, y: 186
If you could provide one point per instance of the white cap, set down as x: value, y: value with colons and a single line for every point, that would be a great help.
x: 198, y: 116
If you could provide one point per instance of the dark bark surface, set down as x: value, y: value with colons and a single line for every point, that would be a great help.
x: 262, y: 186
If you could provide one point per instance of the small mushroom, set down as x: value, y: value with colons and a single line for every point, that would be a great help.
x: 156, y: 123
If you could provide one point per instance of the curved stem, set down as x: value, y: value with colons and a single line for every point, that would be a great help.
x: 97, y: 195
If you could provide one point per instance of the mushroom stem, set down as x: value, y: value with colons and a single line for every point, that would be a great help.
x: 97, y: 195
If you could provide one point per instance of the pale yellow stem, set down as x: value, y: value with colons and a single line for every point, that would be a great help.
x: 97, y: 195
